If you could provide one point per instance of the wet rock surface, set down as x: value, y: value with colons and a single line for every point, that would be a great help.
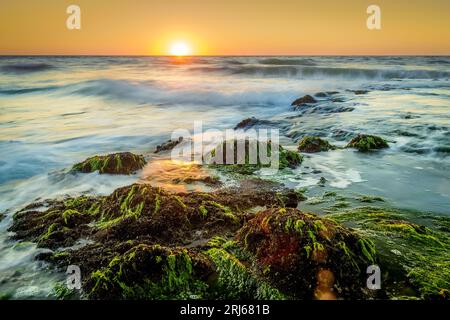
x: 168, y: 145
x: 364, y: 142
x: 311, y: 144
x: 145, y: 243
x: 246, y: 165
x: 116, y: 163
x: 287, y: 243
x: 304, y: 100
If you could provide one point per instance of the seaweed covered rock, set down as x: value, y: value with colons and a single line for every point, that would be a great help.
x: 116, y: 163
x: 152, y: 272
x: 61, y: 224
x: 413, y: 249
x: 168, y: 145
x: 306, y: 256
x: 247, y: 157
x: 311, y: 144
x: 304, y: 100
x: 143, y: 212
x: 364, y: 142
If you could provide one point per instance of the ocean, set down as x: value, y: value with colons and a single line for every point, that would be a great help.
x: 57, y: 111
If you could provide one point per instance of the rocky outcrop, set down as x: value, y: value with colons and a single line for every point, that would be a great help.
x: 364, y: 143
x: 311, y: 144
x: 286, y: 158
x: 287, y: 243
x: 168, y: 145
x: 304, y: 100
x: 116, y: 163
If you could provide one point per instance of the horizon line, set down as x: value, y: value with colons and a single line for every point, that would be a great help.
x: 226, y: 55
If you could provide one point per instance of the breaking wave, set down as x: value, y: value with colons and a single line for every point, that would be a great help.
x: 152, y: 92
x: 311, y: 72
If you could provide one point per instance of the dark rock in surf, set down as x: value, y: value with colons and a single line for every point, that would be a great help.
x: 359, y: 92
x: 364, y: 143
x: 310, y: 144
x: 116, y: 163
x: 169, y: 145
x: 304, y: 100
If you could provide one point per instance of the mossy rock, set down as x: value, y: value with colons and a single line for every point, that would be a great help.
x: 245, y: 165
x: 116, y: 163
x: 152, y: 272
x: 364, y: 143
x: 413, y: 248
x: 308, y: 257
x: 311, y: 144
x: 145, y: 212
x: 237, y: 274
x: 60, y: 225
x: 304, y: 100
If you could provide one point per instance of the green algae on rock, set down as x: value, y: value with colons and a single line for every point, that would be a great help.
x: 116, y: 163
x: 243, y: 164
x: 61, y: 224
x: 364, y: 143
x: 413, y: 248
x: 236, y: 278
x: 152, y: 272
x: 288, y: 243
x: 142, y: 211
x: 311, y: 144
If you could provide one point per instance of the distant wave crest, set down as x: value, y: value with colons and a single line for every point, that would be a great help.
x: 311, y: 72
x: 26, y: 67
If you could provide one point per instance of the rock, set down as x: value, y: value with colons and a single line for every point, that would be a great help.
x: 306, y: 256
x: 169, y: 145
x: 144, y: 212
x: 246, y: 123
x: 364, y: 142
x: 116, y: 163
x: 359, y: 92
x: 304, y: 100
x: 322, y: 182
x: 147, y: 271
x: 207, y: 180
x: 321, y: 95
x: 254, y: 122
x: 311, y: 144
x: 287, y: 158
x: 409, y: 115
x: 143, y: 242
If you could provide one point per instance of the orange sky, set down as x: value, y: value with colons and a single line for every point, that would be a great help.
x: 225, y: 27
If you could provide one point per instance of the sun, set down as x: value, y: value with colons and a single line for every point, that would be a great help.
x: 180, y: 49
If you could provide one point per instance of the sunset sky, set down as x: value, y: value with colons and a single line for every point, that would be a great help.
x: 226, y: 27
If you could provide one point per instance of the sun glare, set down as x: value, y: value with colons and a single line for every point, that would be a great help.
x: 180, y: 49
